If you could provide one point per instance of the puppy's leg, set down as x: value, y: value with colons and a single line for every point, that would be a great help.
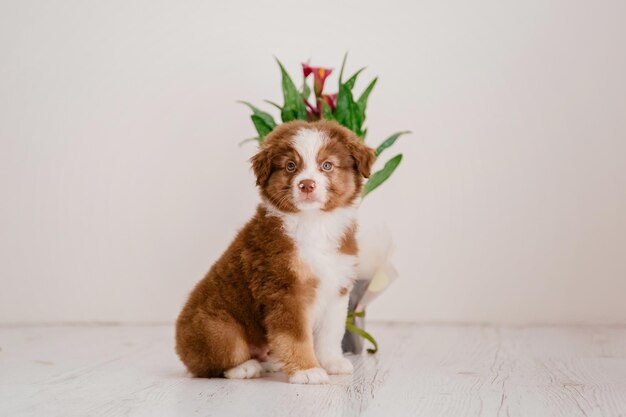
x: 291, y: 340
x: 209, y: 345
x: 328, y: 337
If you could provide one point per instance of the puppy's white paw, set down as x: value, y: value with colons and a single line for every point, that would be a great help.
x: 338, y: 366
x: 249, y: 369
x: 309, y: 376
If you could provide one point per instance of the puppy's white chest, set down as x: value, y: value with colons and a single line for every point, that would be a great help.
x: 317, y: 236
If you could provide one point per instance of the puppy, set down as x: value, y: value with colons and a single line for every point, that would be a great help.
x: 278, y: 297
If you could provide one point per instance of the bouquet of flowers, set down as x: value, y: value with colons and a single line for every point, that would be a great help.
x: 375, y: 270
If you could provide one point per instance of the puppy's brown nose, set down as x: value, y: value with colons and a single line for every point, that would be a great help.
x: 307, y: 186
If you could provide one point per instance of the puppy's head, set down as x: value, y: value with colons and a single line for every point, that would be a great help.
x: 311, y: 166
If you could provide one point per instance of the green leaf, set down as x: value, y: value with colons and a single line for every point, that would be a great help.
x: 305, y: 92
x: 327, y: 113
x: 353, y: 314
x: 357, y: 330
x: 350, y: 114
x: 381, y: 176
x: 243, y: 142
x: 343, y: 65
x: 352, y: 80
x: 362, y: 101
x: 273, y: 104
x: 294, y: 108
x: 261, y: 125
x: 347, y: 112
x: 390, y: 141
x: 268, y: 120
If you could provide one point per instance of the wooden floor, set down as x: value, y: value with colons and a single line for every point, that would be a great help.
x: 421, y: 370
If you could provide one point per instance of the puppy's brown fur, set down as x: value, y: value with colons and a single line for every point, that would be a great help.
x: 255, y: 296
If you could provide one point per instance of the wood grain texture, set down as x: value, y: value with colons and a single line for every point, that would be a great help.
x: 421, y: 370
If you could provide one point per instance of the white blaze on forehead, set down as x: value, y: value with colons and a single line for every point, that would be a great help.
x: 308, y: 142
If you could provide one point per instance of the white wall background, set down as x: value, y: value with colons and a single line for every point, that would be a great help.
x: 121, y: 180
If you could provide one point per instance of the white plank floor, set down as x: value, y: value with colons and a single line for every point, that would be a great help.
x: 421, y: 370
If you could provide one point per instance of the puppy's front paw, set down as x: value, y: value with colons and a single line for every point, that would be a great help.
x: 309, y: 376
x: 338, y: 366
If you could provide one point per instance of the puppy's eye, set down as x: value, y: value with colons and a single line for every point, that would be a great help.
x: 291, y: 166
x: 327, y: 166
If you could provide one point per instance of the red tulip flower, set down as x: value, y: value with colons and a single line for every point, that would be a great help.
x: 306, y: 70
x: 319, y: 77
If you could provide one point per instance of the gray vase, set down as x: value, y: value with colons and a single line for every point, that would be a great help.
x: 353, y: 343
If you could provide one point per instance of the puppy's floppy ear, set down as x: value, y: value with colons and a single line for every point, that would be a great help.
x: 262, y: 165
x: 364, y: 157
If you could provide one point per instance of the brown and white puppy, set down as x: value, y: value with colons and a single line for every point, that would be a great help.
x: 278, y: 296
